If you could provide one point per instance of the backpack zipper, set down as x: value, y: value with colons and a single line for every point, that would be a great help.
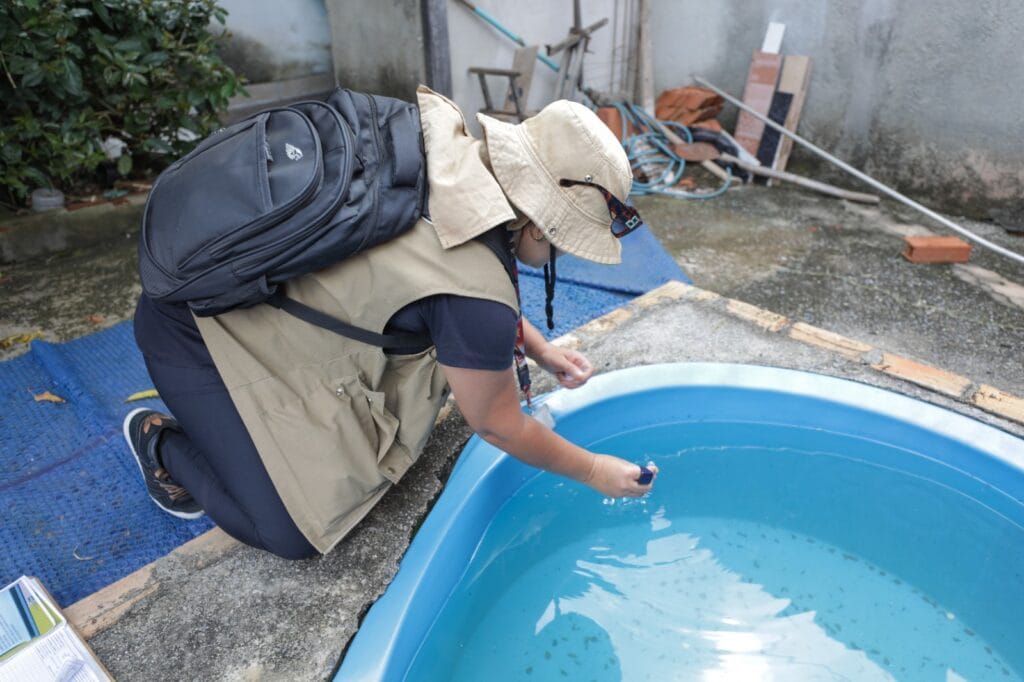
x: 199, y: 149
x: 219, y: 246
x: 328, y: 213
x: 380, y: 161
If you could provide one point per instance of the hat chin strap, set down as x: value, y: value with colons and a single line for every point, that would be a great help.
x: 549, y: 288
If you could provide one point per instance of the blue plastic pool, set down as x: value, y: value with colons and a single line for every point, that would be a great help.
x: 802, y: 527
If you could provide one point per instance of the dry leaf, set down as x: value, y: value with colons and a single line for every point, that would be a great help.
x: 151, y: 393
x: 9, y: 341
x: 47, y: 397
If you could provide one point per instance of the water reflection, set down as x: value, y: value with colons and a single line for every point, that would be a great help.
x: 700, y: 620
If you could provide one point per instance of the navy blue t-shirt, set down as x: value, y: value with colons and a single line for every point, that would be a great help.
x: 470, y: 333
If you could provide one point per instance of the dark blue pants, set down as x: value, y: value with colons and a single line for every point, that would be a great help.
x: 216, y: 461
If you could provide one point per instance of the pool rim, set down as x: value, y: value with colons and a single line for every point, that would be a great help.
x: 370, y: 654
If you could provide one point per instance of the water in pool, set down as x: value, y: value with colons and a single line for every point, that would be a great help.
x: 809, y: 556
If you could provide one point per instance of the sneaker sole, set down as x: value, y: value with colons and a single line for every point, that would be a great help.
x: 131, y: 447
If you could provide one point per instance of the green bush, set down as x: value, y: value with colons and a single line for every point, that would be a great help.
x: 73, y: 72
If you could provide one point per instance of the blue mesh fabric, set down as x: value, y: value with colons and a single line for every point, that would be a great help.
x: 75, y: 512
x: 587, y: 290
x: 645, y: 265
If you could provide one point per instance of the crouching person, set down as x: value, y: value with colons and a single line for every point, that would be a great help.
x: 286, y: 434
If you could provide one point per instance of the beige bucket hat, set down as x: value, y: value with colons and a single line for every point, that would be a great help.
x: 565, y: 140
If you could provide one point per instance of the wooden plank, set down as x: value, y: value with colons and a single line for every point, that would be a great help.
x: 932, y: 378
x: 773, y: 37
x: 822, y: 338
x: 757, y: 94
x: 795, y: 79
x: 765, y: 319
x: 95, y: 613
x: 524, y: 61
x: 1004, y: 404
x: 646, y: 58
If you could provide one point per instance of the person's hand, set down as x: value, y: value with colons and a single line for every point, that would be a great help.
x: 616, y: 477
x: 570, y: 367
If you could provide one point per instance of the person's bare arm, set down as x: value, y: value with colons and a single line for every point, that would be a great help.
x: 487, y: 399
x: 570, y: 367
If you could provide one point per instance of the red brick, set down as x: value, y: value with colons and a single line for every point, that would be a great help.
x: 613, y: 119
x: 696, y: 151
x: 710, y: 124
x: 757, y: 94
x: 936, y: 250
x: 687, y: 105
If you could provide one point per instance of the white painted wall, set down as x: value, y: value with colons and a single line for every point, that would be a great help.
x: 538, y: 22
x: 925, y: 94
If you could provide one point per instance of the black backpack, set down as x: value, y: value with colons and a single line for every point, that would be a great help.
x: 285, y: 192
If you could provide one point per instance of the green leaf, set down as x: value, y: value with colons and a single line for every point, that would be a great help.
x: 131, y: 78
x: 140, y: 69
x: 15, y: 183
x: 124, y: 164
x: 37, y: 177
x: 72, y: 77
x: 11, y: 153
x: 155, y: 144
x: 129, y: 45
x: 102, y: 13
x: 154, y: 58
x: 32, y: 77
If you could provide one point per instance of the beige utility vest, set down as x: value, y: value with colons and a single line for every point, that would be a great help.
x: 336, y: 421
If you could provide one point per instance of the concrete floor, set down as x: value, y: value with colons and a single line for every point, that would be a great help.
x: 231, y: 613
x: 837, y: 265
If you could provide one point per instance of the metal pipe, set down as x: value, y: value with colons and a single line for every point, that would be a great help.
x: 817, y: 186
x: 885, y: 189
x: 508, y: 33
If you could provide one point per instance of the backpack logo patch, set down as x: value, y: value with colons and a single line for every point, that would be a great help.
x: 294, y: 153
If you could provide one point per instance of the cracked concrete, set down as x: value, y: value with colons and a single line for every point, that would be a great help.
x: 837, y: 265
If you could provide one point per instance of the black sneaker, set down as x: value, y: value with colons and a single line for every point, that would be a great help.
x: 142, y: 428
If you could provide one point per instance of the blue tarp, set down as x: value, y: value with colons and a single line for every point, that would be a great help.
x: 587, y: 290
x: 75, y: 512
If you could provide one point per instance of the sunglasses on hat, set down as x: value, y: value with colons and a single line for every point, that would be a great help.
x: 625, y: 218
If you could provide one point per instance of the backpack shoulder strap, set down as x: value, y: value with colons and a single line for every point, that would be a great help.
x: 325, y: 321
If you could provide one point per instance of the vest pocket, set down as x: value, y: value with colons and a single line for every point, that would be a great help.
x: 363, y: 416
x: 331, y: 440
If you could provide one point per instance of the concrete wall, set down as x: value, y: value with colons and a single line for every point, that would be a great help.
x: 378, y: 47
x: 274, y: 40
x: 924, y: 94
